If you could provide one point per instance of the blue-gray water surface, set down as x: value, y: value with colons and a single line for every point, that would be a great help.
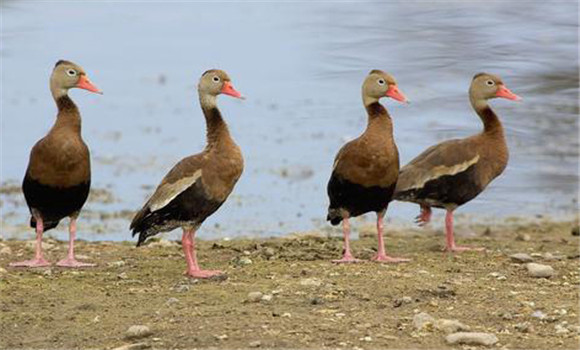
x: 301, y: 66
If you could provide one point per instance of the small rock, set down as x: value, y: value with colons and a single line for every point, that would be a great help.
x: 162, y: 243
x: 287, y: 315
x: 138, y: 331
x: 312, y: 282
x: 269, y: 252
x: 316, y: 301
x: 5, y: 251
x: 524, y: 327
x: 266, y: 298
x: 450, y: 326
x: 181, y: 288
x: 122, y: 276
x: 119, y: 263
x: 538, y: 314
x: 550, y: 256
x: 3, y: 271
x: 472, y: 338
x: 255, y: 344
x: 242, y: 261
x: 561, y: 328
x: 523, y: 237
x: 400, y: 301
x: 539, y: 270
x: 47, y: 272
x: 576, y: 231
x: 368, y: 339
x: 521, y: 258
x: 255, y: 297
x: 221, y: 337
x: 423, y: 321
x: 172, y: 301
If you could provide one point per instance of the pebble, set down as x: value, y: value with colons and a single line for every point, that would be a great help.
x: 3, y: 271
x: 266, y: 298
x: 172, y: 301
x: 162, y: 243
x: 561, y: 328
x: 538, y: 314
x: 524, y: 327
x: 242, y: 261
x: 422, y: 321
x: 521, y: 258
x: 255, y: 297
x: 5, y: 251
x: 255, y: 344
x: 287, y: 315
x: 269, y: 252
x: 138, y: 331
x: 122, y: 276
x: 472, y: 338
x: 313, y: 282
x: 539, y: 270
x: 450, y: 326
x: 119, y: 263
x: 523, y: 237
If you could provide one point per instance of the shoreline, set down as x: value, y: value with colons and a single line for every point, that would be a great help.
x: 285, y: 292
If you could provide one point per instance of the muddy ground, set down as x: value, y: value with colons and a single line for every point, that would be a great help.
x: 308, y: 303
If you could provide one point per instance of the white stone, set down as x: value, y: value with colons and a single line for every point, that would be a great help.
x: 472, y: 338
x: 422, y: 321
x: 138, y: 331
x: 539, y: 270
x: 255, y: 297
x: 521, y: 258
x: 450, y: 326
x: 313, y: 282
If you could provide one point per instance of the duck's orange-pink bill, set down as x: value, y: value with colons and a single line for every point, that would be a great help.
x: 394, y: 93
x: 504, y: 92
x: 228, y: 89
x: 84, y: 83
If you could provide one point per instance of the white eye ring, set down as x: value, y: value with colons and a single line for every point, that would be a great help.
x: 71, y: 72
x: 216, y: 79
x: 490, y: 83
x: 381, y: 82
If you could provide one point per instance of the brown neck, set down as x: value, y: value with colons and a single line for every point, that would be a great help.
x: 217, y: 129
x: 378, y: 117
x: 491, y: 123
x: 68, y: 114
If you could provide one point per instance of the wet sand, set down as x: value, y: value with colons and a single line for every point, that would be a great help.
x: 307, y: 301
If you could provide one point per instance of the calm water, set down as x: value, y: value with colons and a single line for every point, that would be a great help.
x: 301, y: 66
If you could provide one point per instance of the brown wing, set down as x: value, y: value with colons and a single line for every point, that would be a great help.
x: 447, y: 158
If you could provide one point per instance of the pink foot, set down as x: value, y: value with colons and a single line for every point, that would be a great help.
x: 73, y: 263
x: 388, y: 259
x: 203, y: 273
x: 31, y: 263
x: 459, y: 249
x: 347, y: 259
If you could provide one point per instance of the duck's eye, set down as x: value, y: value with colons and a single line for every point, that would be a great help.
x: 216, y: 79
x: 381, y: 82
x: 490, y: 83
x: 71, y: 72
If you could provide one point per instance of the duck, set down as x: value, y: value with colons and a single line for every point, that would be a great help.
x: 454, y: 172
x: 198, y: 185
x: 58, y: 177
x: 365, y: 170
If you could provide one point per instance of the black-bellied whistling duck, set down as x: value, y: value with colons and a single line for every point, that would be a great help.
x: 58, y: 178
x: 454, y: 172
x: 365, y: 169
x: 198, y: 185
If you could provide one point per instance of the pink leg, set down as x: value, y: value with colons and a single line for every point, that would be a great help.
x: 193, y: 270
x: 347, y: 256
x: 425, y: 217
x: 381, y: 255
x: 38, y: 260
x: 70, y: 260
x: 450, y: 239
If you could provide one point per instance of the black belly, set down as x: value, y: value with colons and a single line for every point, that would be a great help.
x: 191, y: 208
x: 54, y: 203
x: 447, y: 190
x: 355, y: 199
